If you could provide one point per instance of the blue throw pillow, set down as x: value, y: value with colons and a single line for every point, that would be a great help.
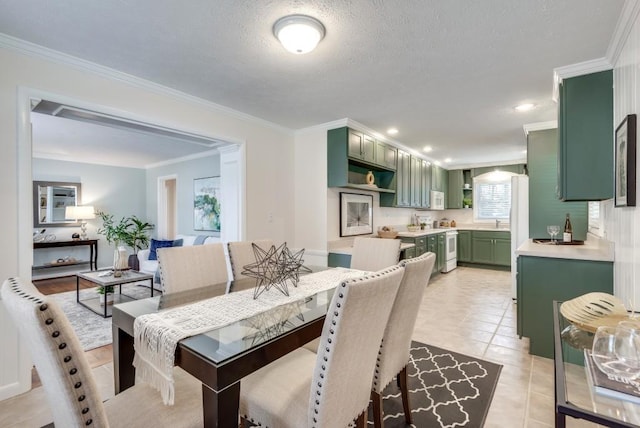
x: 158, y: 243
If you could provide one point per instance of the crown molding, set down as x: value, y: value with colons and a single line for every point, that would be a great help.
x: 40, y: 52
x: 626, y: 20
x: 578, y: 69
x: 539, y: 126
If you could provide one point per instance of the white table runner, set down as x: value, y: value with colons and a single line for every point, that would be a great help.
x: 157, y: 335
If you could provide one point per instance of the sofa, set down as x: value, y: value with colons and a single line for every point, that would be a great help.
x: 151, y: 266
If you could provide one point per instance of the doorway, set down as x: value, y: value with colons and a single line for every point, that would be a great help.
x: 167, y: 226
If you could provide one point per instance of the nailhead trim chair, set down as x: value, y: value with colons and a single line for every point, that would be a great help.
x: 195, y: 266
x: 67, y: 378
x: 241, y: 254
x: 395, y: 347
x: 374, y: 254
x: 329, y: 389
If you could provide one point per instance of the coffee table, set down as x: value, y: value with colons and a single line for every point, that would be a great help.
x: 105, y: 278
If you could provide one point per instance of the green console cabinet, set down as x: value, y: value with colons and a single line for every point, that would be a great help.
x: 585, y: 126
x: 540, y: 281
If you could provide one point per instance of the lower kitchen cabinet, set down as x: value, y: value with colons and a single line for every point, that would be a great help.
x: 434, y: 243
x: 489, y: 247
x: 540, y: 281
x: 464, y: 246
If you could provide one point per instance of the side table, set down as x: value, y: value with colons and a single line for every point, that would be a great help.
x: 101, y: 278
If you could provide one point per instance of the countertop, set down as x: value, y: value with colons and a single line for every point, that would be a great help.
x: 445, y: 229
x: 349, y: 250
x: 595, y: 249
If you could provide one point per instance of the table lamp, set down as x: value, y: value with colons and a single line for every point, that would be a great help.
x: 81, y: 213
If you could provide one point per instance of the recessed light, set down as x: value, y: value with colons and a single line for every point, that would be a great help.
x: 447, y: 160
x: 427, y: 149
x: 436, y: 162
x: 392, y: 131
x: 525, y: 107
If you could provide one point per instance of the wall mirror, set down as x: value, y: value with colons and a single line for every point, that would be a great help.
x: 50, y: 199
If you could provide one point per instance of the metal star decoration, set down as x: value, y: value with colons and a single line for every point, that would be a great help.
x: 275, y: 267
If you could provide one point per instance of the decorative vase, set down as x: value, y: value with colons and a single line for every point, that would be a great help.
x: 119, y: 261
x: 370, y: 178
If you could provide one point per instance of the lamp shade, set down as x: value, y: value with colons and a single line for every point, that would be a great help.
x: 86, y: 212
x: 299, y: 34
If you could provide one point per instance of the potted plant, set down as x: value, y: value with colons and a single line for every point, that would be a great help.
x: 115, y: 233
x: 106, y: 294
x: 466, y: 202
x: 137, y: 237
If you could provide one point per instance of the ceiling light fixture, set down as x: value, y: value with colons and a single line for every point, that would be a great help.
x: 299, y: 34
x: 447, y: 160
x: 427, y: 149
x: 525, y: 107
x: 436, y: 162
x: 392, y: 131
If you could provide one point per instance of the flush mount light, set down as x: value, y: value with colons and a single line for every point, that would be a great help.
x: 447, y: 160
x: 427, y: 149
x: 525, y: 107
x: 299, y: 34
x: 436, y: 162
x: 392, y: 131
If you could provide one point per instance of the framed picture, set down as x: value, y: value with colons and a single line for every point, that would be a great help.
x: 625, y: 163
x: 356, y: 214
x: 206, y: 204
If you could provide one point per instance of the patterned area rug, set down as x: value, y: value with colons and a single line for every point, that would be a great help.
x: 446, y: 389
x: 92, y: 329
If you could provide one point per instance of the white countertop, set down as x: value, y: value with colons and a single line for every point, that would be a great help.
x: 349, y: 250
x: 593, y: 249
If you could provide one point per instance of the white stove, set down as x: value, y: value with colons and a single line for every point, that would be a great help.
x: 450, y: 250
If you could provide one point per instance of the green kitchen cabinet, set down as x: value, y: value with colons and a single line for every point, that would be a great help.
x: 415, y: 200
x: 544, y: 207
x: 426, y: 184
x: 464, y: 246
x: 339, y: 260
x: 349, y: 159
x: 386, y: 155
x: 456, y: 183
x: 361, y: 146
x: 420, y: 243
x: 585, y: 131
x: 403, y: 173
x: 408, y: 253
x: 540, y: 281
x: 491, y: 247
x: 441, y: 255
x: 437, y: 178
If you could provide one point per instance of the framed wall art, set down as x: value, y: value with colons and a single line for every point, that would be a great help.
x: 625, y: 163
x: 356, y: 214
x: 206, y: 204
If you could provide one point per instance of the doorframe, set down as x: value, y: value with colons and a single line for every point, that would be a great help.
x: 162, y: 229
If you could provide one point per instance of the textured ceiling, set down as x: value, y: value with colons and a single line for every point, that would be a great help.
x: 445, y: 73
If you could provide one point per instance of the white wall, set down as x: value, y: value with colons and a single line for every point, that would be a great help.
x: 268, y: 148
x: 622, y: 225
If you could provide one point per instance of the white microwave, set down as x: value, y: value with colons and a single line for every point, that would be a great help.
x: 437, y: 200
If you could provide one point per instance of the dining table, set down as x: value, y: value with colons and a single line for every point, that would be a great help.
x: 222, y: 356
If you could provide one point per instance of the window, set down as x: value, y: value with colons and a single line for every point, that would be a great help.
x: 595, y: 220
x: 492, y: 196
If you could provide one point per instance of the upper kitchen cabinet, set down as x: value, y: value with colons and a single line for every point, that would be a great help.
x: 401, y: 183
x: 351, y: 155
x: 544, y: 207
x: 386, y: 155
x: 456, y: 184
x: 426, y: 184
x: 585, y: 152
x: 438, y: 178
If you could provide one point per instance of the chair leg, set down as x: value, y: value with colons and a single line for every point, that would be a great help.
x: 245, y: 423
x: 404, y: 389
x: 376, y: 398
x: 361, y: 422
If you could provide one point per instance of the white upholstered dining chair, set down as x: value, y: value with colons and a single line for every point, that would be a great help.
x: 395, y: 347
x: 194, y: 266
x: 331, y: 388
x: 373, y: 254
x: 67, y: 378
x: 241, y: 254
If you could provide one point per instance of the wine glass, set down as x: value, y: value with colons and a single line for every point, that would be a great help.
x: 553, y: 231
x: 627, y: 344
x: 605, y: 357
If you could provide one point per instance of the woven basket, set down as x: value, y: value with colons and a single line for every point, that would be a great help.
x: 389, y: 234
x: 593, y: 310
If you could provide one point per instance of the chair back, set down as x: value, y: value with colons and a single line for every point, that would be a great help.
x: 396, y: 342
x: 374, y: 254
x: 66, y: 376
x: 194, y: 266
x: 241, y: 254
x: 348, y: 347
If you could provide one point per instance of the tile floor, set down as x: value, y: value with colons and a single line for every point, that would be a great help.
x: 467, y: 310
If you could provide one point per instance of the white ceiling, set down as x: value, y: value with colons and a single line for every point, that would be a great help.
x: 445, y: 73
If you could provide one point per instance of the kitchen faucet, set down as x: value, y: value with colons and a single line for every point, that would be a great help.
x: 497, y: 224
